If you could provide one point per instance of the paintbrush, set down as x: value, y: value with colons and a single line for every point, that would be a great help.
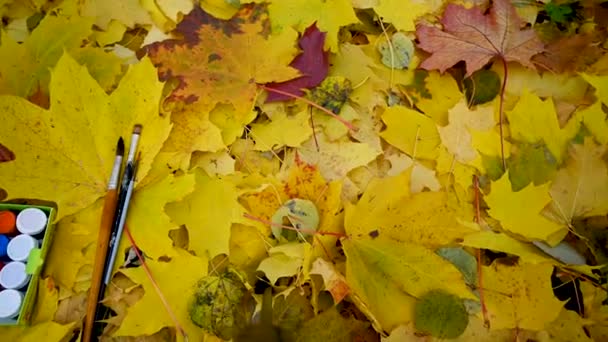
x: 121, y: 225
x: 103, y: 239
x: 126, y: 189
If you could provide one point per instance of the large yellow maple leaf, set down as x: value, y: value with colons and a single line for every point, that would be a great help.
x: 543, y: 126
x: 402, y: 14
x: 580, y: 189
x: 25, y: 66
x: 387, y: 275
x: 328, y: 15
x: 65, y: 154
x: 410, y: 131
x: 177, y: 279
x: 426, y: 218
x: 520, y: 296
x: 520, y: 212
x: 208, y: 214
x: 220, y: 61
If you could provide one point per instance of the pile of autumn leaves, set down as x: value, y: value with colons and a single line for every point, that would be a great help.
x: 397, y: 199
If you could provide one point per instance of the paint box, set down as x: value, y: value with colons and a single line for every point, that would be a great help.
x: 34, y: 263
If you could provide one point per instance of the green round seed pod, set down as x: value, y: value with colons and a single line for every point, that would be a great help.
x: 441, y: 315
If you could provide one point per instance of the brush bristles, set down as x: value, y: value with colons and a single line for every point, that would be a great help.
x: 137, y: 129
x: 120, y: 147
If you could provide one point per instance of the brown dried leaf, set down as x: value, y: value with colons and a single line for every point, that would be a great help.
x: 470, y: 36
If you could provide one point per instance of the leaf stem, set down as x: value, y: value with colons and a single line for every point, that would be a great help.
x: 346, y: 123
x: 162, y: 297
x: 501, y: 114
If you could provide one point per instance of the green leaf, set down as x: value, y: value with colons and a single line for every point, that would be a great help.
x: 464, y: 261
x: 441, y: 315
x: 531, y: 163
x: 387, y: 274
x: 399, y: 55
x: 481, y: 87
x: 215, y: 303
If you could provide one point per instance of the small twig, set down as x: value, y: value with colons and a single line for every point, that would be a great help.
x: 346, y: 123
x: 178, y: 326
x: 303, y: 230
x: 314, y: 134
x: 392, y: 51
x: 501, y: 114
x: 484, y: 310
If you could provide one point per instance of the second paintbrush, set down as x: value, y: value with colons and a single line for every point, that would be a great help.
x: 124, y: 199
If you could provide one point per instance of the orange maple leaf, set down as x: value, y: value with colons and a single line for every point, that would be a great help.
x: 220, y: 61
x: 470, y: 36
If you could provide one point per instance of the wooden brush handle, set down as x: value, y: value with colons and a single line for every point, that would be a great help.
x: 105, y: 230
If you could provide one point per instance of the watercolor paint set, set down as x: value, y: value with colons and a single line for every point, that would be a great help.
x: 25, y: 237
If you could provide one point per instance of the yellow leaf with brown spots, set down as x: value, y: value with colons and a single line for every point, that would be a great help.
x: 520, y: 296
x: 220, y: 61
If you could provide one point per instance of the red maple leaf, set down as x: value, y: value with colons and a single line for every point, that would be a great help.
x: 470, y: 36
x: 313, y: 63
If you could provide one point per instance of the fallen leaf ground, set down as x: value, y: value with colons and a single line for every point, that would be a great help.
x: 365, y: 170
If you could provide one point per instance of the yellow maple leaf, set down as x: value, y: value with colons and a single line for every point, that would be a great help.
x: 402, y: 14
x: 456, y: 136
x: 128, y: 12
x: 46, y: 301
x: 282, y: 130
x: 192, y: 131
x: 600, y: 83
x: 25, y: 67
x: 81, y: 114
x: 568, y: 327
x: 386, y: 275
x: 152, y: 236
x: 559, y: 86
x: 284, y: 260
x: 422, y: 177
x: 46, y: 331
x: 300, y: 14
x: 247, y: 246
x: 595, y: 310
x: 177, y: 279
x: 543, y: 126
x: 214, y: 164
x: 580, y: 189
x: 208, y: 232
x: 220, y: 61
x: 519, y: 212
x: 440, y: 94
x: 456, y: 171
x: 594, y: 117
x: 596, y: 122
x: 335, y: 159
x: 520, y: 296
x: 354, y: 64
x: 73, y: 247
x: 411, y: 132
x: 504, y: 243
x: 426, y: 218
